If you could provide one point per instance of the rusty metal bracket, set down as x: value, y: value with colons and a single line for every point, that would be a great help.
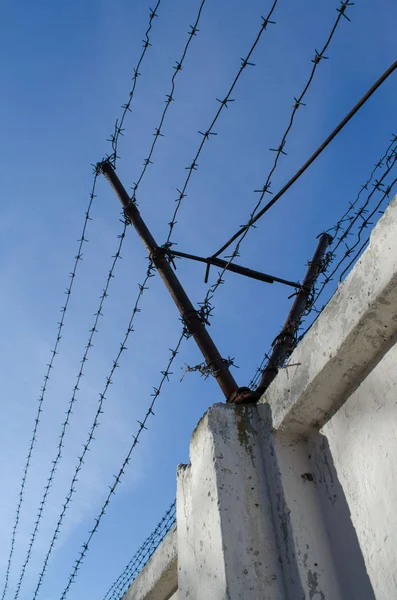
x: 285, y: 341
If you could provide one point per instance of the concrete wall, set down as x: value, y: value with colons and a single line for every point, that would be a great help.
x: 362, y: 437
x: 294, y: 498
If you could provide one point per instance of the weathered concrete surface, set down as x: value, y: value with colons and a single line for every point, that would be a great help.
x: 305, y: 551
x: 226, y: 542
x: 261, y: 515
x: 341, y: 537
x: 349, y: 338
x: 159, y: 578
x: 363, y: 441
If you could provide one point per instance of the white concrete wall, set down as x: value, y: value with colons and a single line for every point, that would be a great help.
x: 295, y: 498
x: 362, y: 437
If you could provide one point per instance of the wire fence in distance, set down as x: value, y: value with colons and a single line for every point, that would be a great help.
x: 142, y: 555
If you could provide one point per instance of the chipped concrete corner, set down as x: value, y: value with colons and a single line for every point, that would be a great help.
x: 294, y: 498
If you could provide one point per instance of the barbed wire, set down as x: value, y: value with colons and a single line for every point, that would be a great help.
x: 343, y: 228
x: 142, y: 555
x: 206, y: 135
x: 119, y: 123
x: 352, y: 253
x: 206, y: 370
x: 366, y: 222
x: 350, y: 256
x: 95, y: 424
x: 117, y: 478
x: 206, y: 306
x: 50, y: 366
x: 72, y: 401
x: 341, y: 231
x: 114, y: 139
x: 169, y: 98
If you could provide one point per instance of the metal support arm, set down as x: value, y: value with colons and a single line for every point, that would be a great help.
x: 190, y: 316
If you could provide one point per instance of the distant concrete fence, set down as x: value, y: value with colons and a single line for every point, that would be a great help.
x: 295, y: 498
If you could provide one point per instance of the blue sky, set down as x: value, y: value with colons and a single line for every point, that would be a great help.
x: 66, y: 70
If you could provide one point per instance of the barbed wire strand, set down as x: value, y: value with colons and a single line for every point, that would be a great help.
x: 119, y: 124
x: 94, y: 425
x: 206, y: 306
x: 114, y: 139
x: 206, y: 135
x: 117, y: 478
x: 169, y: 99
x: 390, y: 157
x: 351, y: 216
x: 72, y: 275
x: 366, y: 222
x: 378, y: 186
x: 345, y: 218
x: 142, y: 555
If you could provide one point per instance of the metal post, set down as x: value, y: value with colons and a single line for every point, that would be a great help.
x: 189, y: 315
x: 284, y: 342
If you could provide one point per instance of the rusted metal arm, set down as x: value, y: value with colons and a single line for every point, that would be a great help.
x: 190, y: 316
x: 285, y: 341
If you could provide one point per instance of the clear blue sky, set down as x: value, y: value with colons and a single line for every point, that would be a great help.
x: 66, y: 68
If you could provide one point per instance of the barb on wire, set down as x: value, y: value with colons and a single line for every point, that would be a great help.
x: 169, y: 99
x: 117, y: 478
x: 142, y: 555
x: 55, y: 350
x: 119, y: 123
x: 94, y: 425
x: 206, y: 305
x: 223, y: 103
x: 55, y: 462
